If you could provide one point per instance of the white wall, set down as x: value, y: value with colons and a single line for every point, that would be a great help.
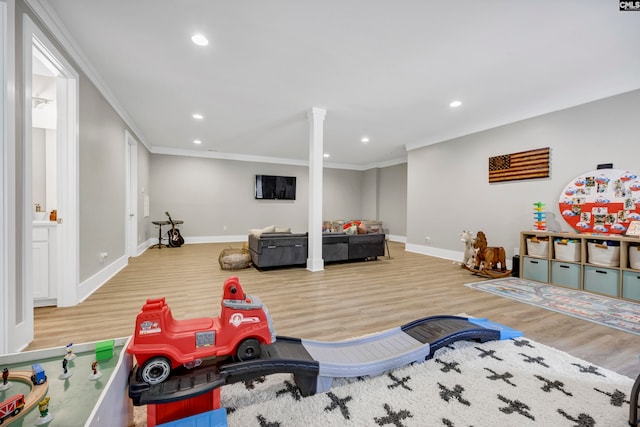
x: 216, y: 198
x: 102, y: 173
x: 392, y: 200
x: 448, y: 188
x: 342, y: 191
x: 39, y: 176
x: 370, y: 193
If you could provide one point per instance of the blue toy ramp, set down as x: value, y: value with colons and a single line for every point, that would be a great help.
x: 413, y: 342
x: 506, y: 333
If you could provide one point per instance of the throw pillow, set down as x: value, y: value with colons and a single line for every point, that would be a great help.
x: 257, y: 232
x: 283, y: 230
x: 362, y: 229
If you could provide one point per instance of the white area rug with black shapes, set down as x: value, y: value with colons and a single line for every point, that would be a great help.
x: 499, y: 383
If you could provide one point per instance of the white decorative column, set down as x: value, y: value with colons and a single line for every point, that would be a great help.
x: 314, y: 257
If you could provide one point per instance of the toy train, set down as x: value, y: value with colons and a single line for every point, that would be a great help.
x: 161, y: 343
x: 38, y: 376
x: 11, y: 407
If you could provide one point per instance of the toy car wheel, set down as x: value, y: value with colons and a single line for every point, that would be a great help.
x: 17, y: 411
x: 155, y: 370
x: 248, y: 349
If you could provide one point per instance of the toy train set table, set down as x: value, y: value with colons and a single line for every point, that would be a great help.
x: 75, y: 400
x: 602, y: 201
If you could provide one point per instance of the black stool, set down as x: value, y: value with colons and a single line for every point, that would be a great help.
x: 159, y: 224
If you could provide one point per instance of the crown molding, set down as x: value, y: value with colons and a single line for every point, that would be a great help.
x: 273, y: 160
x: 226, y: 156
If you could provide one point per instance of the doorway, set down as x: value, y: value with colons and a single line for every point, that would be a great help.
x: 44, y: 177
x: 50, y: 173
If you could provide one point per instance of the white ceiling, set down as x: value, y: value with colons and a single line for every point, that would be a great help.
x: 385, y: 69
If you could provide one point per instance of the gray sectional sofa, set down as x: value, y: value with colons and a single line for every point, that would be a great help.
x: 285, y: 249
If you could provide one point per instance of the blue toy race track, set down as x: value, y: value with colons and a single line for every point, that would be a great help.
x: 314, y: 364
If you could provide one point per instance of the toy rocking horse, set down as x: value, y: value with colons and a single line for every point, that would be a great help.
x: 468, y: 258
x: 487, y: 259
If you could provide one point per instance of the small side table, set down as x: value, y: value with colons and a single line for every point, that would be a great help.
x: 159, y: 224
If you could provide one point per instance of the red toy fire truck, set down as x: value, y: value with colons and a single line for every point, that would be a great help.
x: 11, y: 407
x: 161, y: 343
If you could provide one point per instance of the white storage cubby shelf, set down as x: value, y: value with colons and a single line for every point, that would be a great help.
x: 608, y: 265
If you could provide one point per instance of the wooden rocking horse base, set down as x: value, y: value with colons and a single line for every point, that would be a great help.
x: 491, y: 274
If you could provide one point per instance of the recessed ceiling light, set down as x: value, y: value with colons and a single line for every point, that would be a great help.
x: 198, y: 116
x: 326, y: 155
x: 197, y: 141
x: 365, y: 139
x: 455, y: 104
x: 199, y: 39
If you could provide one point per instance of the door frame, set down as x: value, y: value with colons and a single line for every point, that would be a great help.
x: 6, y: 136
x: 67, y: 241
x: 131, y: 191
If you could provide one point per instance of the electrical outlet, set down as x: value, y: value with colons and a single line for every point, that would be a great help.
x: 102, y: 256
x: 427, y: 240
x: 224, y: 228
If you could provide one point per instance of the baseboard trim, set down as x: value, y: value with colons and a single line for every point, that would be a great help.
x: 145, y: 245
x: 94, y: 282
x: 435, y: 252
x: 455, y: 256
x: 217, y: 239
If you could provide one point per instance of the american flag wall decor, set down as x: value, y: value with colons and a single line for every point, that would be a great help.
x: 523, y: 165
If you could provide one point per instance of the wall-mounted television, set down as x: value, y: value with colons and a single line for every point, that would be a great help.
x: 275, y: 187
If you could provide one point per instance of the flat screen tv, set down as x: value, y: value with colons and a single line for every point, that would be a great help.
x: 275, y: 187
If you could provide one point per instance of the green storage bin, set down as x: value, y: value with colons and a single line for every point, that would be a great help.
x: 601, y: 280
x: 104, y: 350
x: 566, y: 274
x: 535, y: 269
x: 631, y: 285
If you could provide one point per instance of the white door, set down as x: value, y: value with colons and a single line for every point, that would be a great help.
x: 131, y: 211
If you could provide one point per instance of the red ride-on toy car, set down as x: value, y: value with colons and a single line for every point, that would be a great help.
x: 161, y: 343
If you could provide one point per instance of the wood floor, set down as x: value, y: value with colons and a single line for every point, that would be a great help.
x: 343, y: 301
